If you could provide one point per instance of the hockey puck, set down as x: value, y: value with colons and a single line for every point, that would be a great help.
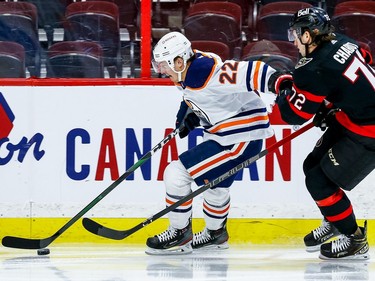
x: 43, y: 252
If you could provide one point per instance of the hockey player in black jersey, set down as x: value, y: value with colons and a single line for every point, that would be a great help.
x: 334, y: 84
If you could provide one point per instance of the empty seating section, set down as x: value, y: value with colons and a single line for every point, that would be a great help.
x: 51, y: 15
x: 215, y: 21
x: 101, y: 38
x: 281, y: 55
x: 18, y: 23
x: 357, y: 20
x: 96, y: 21
x: 273, y: 19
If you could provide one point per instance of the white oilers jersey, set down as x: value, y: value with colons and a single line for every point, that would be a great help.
x: 226, y: 97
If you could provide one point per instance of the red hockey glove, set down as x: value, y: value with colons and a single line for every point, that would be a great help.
x: 280, y: 81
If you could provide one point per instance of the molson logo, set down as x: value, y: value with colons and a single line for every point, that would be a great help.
x: 10, y: 148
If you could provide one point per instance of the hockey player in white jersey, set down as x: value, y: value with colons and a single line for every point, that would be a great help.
x: 225, y: 99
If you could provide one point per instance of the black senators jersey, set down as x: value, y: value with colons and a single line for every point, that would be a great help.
x: 336, y: 72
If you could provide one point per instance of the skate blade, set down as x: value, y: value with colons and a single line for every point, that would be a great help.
x: 313, y: 249
x: 220, y: 247
x: 365, y: 256
x: 179, y: 250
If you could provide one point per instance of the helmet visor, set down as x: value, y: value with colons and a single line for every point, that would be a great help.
x: 160, y: 66
x: 292, y: 34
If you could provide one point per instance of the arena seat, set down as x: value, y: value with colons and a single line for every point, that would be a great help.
x: 50, y: 15
x: 96, y: 21
x: 356, y: 19
x: 280, y: 55
x: 215, y: 21
x: 19, y: 23
x: 216, y: 47
x: 273, y: 19
x: 75, y: 59
x: 246, y: 7
x: 12, y: 60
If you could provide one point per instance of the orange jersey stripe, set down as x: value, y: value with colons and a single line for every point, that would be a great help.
x: 238, y: 122
x: 227, y: 155
x: 256, y: 74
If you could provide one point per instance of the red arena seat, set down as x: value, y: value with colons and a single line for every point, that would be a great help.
x: 75, y: 59
x: 96, y: 21
x: 12, y: 60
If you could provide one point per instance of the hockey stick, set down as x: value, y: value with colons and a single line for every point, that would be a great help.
x: 28, y: 243
x: 106, y: 232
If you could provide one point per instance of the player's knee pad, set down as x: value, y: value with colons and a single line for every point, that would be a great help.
x: 309, y: 163
x: 347, y: 163
x: 318, y: 184
x: 177, y: 180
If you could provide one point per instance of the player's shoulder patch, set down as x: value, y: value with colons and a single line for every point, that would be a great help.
x: 199, y: 72
x: 303, y: 62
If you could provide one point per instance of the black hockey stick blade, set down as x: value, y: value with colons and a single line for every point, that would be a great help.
x: 29, y: 243
x: 114, y: 234
x: 25, y: 243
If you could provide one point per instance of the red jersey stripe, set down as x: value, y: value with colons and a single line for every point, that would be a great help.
x: 363, y: 130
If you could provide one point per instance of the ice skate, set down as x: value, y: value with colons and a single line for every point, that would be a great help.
x: 320, y: 235
x: 171, y: 242
x: 211, y: 239
x: 347, y: 247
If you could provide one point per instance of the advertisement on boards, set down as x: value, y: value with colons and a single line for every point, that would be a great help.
x: 60, y: 147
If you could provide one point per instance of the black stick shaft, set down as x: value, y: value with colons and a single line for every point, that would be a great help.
x: 103, y: 231
x: 26, y: 243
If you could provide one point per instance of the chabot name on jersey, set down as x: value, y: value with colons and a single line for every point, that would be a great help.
x: 344, y: 52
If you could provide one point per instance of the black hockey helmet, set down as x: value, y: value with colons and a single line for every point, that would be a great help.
x: 313, y: 19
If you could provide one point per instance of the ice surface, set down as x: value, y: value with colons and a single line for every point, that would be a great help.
x: 129, y: 263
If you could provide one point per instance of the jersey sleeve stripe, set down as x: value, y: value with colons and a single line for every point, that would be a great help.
x: 248, y: 76
x: 263, y: 79
x: 311, y: 97
x: 256, y: 75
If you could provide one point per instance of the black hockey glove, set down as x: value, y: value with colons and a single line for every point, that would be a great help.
x: 181, y: 114
x: 190, y: 123
x: 323, y: 116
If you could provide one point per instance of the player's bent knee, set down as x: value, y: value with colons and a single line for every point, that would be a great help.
x: 309, y: 163
x: 177, y: 180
